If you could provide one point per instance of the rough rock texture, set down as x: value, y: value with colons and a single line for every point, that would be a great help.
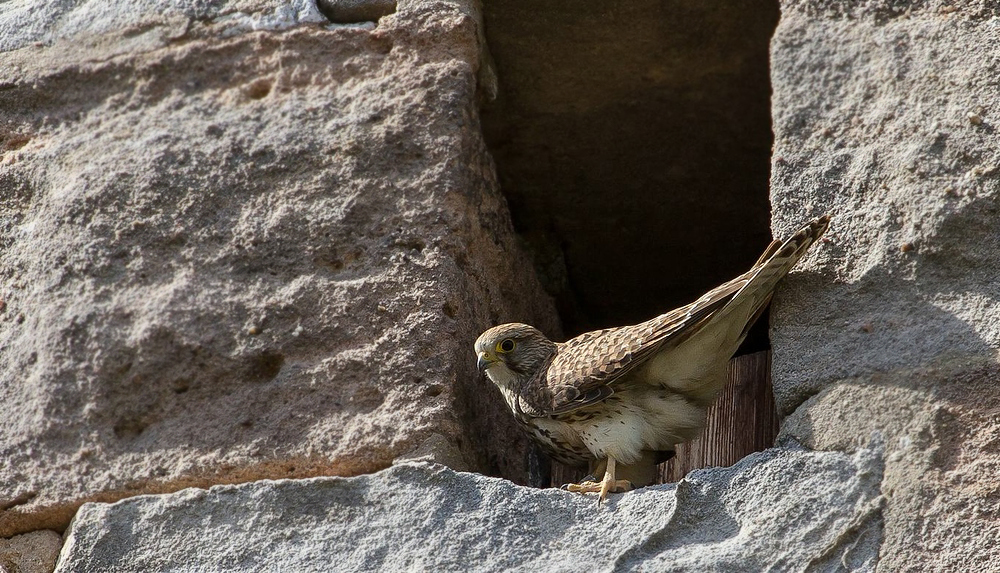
x: 633, y: 141
x: 34, y: 552
x: 886, y: 116
x: 942, y: 430
x: 238, y: 243
x: 778, y: 510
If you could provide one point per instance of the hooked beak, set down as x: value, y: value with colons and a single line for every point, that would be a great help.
x: 484, y: 361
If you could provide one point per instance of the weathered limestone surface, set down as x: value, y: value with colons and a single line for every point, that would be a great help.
x: 34, y: 552
x: 886, y: 116
x: 240, y: 243
x: 777, y: 510
x: 942, y: 458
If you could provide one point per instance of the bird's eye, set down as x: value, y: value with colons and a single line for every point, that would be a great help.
x: 505, y: 345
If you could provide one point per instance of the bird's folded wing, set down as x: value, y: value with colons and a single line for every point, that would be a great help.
x: 586, y: 368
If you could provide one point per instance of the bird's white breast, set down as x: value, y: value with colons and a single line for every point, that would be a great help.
x: 637, y: 419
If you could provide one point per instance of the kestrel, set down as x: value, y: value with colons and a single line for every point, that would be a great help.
x: 614, y: 394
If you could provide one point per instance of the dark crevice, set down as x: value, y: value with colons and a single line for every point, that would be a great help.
x: 265, y: 366
x: 355, y: 11
x: 632, y: 141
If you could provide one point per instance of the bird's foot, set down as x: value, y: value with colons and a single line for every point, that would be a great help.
x: 614, y: 486
x: 609, y: 483
x: 589, y: 478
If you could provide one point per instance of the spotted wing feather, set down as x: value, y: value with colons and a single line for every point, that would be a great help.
x: 586, y: 368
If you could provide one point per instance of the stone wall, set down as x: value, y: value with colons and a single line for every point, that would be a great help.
x: 242, y: 242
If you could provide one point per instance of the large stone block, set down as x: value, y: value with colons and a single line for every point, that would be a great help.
x: 777, y: 510
x: 241, y: 244
x: 942, y: 437
x: 885, y: 116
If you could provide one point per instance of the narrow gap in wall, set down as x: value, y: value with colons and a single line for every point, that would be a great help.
x: 632, y: 141
x: 355, y: 11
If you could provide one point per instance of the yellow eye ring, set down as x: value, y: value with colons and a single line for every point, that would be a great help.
x: 505, y: 345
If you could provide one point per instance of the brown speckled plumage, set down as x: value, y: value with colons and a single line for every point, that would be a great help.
x: 614, y: 393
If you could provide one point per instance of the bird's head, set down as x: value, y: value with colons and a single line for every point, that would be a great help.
x: 511, y: 353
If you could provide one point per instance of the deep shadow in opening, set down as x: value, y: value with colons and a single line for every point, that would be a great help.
x: 632, y: 141
x: 355, y: 11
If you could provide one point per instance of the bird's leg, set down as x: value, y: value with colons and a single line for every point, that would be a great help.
x: 609, y: 483
x: 609, y: 477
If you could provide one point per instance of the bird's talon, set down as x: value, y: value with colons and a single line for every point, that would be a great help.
x: 622, y: 486
x: 582, y: 487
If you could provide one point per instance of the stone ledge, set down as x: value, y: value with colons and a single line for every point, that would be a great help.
x: 784, y: 508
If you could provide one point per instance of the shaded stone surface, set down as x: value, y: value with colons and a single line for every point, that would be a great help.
x: 633, y: 142
x: 238, y: 243
x: 34, y: 552
x: 777, y: 509
x: 942, y: 458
